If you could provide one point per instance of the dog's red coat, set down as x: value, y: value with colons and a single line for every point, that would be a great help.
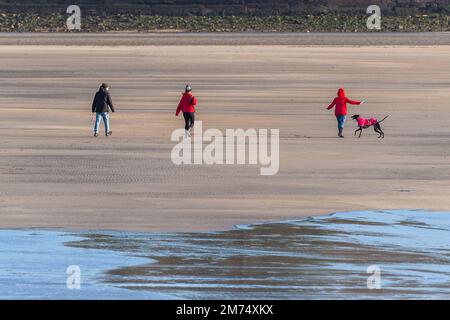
x: 363, y: 122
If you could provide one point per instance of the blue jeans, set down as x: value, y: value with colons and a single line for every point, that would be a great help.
x: 98, y: 117
x: 341, y: 122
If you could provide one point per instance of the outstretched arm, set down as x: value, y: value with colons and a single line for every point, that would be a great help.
x: 352, y: 101
x: 332, y: 104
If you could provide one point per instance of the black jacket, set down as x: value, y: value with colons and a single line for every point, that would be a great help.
x: 102, y: 101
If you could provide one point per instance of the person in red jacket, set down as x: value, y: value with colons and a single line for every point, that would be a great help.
x: 187, y: 106
x: 340, y: 111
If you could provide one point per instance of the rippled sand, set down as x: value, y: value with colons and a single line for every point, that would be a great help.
x: 53, y: 173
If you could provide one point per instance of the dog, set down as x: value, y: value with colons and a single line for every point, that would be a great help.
x: 366, y: 123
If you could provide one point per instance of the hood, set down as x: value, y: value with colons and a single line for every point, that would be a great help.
x: 341, y: 93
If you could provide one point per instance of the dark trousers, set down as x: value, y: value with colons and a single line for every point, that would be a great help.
x: 189, y: 119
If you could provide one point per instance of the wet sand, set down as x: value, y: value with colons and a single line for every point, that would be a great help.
x: 36, y: 264
x: 54, y: 174
x: 173, y: 38
x: 327, y: 257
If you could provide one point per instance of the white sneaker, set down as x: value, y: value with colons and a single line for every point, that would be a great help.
x: 187, y: 134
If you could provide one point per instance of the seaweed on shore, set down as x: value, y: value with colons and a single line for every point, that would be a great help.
x: 27, y: 22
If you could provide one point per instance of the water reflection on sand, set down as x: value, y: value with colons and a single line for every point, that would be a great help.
x: 315, y: 258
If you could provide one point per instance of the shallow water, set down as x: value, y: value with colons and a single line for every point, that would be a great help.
x: 315, y: 258
x: 33, y: 265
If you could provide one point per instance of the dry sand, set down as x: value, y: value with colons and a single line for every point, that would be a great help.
x: 53, y: 173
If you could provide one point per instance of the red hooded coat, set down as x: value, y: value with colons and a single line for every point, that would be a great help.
x: 187, y: 103
x: 341, y: 103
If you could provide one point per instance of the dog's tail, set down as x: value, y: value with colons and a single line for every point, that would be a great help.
x: 383, y: 119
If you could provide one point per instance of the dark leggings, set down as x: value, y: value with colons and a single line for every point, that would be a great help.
x: 189, y: 119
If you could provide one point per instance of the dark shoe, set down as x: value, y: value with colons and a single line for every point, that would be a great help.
x: 341, y: 136
x: 96, y: 134
x: 109, y: 133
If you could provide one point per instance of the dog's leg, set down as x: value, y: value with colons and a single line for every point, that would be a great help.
x: 375, y: 128
x: 360, y: 131
x: 380, y: 131
x: 379, y: 127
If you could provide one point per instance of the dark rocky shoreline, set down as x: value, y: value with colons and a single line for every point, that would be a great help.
x: 27, y: 22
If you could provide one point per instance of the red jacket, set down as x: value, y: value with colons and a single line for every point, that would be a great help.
x: 341, y: 103
x: 187, y: 103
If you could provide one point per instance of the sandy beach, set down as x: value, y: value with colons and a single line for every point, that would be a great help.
x: 54, y: 174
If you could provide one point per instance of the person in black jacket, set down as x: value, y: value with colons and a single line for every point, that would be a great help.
x: 100, y: 106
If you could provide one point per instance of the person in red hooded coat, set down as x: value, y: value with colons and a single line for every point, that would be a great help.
x: 187, y: 106
x: 340, y: 109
